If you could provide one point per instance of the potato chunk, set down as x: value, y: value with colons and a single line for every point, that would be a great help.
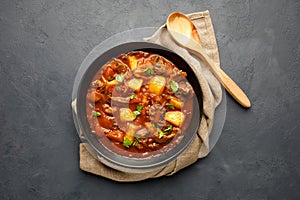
x: 135, y: 84
x: 174, y: 117
x: 176, y: 102
x: 132, y: 62
x: 157, y: 85
x: 126, y: 115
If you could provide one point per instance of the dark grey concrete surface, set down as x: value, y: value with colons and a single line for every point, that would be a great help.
x: 42, y: 44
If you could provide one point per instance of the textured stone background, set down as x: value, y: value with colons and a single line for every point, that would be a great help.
x: 42, y: 44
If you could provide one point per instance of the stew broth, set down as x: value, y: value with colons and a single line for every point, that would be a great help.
x: 139, y: 104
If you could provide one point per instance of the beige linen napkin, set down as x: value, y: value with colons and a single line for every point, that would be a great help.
x: 212, y: 95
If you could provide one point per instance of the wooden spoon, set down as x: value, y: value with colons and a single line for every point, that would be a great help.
x: 184, y: 32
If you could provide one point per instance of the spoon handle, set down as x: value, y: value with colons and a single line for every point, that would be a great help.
x: 232, y: 88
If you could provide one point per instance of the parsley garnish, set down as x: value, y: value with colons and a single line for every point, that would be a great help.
x: 139, y: 108
x: 96, y: 114
x: 138, y: 111
x: 171, y: 106
x: 160, y: 134
x: 174, y: 86
x: 133, y: 96
x: 136, y: 141
x: 110, y: 78
x: 149, y: 71
x: 167, y: 130
x: 120, y: 78
x: 135, y: 114
x: 127, y: 142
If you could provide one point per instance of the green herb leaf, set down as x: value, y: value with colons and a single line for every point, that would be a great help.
x: 174, y: 86
x: 110, y: 78
x: 96, y: 114
x: 135, y: 143
x: 139, y: 108
x: 135, y: 114
x: 138, y: 111
x: 149, y: 71
x: 133, y: 96
x: 160, y: 134
x: 127, y: 142
x: 136, y: 137
x: 171, y: 106
x: 120, y: 78
x: 169, y: 129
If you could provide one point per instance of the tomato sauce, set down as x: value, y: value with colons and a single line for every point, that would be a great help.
x: 139, y: 104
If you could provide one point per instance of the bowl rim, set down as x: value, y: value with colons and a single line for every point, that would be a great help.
x: 123, y: 161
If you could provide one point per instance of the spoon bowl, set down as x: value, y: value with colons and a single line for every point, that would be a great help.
x: 180, y: 23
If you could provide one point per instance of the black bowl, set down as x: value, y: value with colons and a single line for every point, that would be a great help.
x: 112, y: 159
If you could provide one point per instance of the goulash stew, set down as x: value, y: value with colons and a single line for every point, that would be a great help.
x: 139, y: 102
